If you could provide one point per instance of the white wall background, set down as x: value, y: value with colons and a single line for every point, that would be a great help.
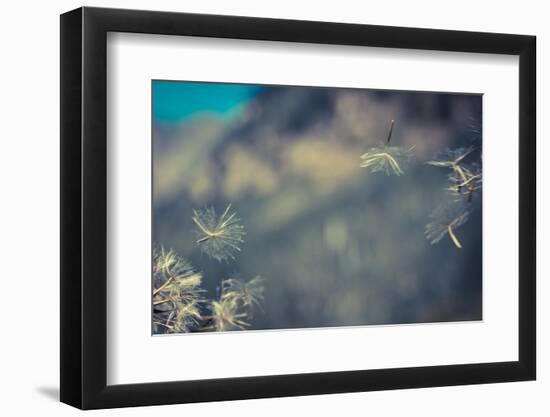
x: 29, y: 226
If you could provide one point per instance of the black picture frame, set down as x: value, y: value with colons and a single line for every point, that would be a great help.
x: 84, y: 207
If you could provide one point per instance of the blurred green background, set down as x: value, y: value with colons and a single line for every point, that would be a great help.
x: 337, y: 245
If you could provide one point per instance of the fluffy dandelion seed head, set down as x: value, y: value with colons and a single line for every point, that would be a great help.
x: 445, y: 218
x: 168, y: 264
x: 165, y: 261
x: 248, y: 294
x: 226, y: 315
x: 466, y: 182
x: 177, y: 294
x: 187, y: 316
x: 388, y: 159
x: 186, y: 290
x: 219, y: 237
x: 189, y: 280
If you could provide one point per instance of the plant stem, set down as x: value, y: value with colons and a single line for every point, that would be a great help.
x: 390, y: 132
x: 453, y: 237
x: 164, y: 300
x: 163, y: 286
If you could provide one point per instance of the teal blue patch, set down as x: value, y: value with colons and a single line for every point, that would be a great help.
x: 175, y: 101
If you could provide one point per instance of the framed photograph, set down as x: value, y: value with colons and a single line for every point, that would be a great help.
x: 257, y: 208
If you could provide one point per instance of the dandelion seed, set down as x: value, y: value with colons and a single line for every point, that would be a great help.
x: 164, y: 262
x: 466, y: 183
x: 169, y: 266
x: 248, y: 294
x: 187, y: 316
x: 465, y: 178
x: 384, y: 158
x: 226, y: 315
x: 186, y: 289
x: 445, y: 220
x: 218, y: 237
x: 451, y: 158
x: 177, y: 294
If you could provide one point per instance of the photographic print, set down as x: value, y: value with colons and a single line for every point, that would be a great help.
x: 292, y: 207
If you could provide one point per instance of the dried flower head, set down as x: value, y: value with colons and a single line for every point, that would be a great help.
x: 218, y: 237
x: 445, y: 220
